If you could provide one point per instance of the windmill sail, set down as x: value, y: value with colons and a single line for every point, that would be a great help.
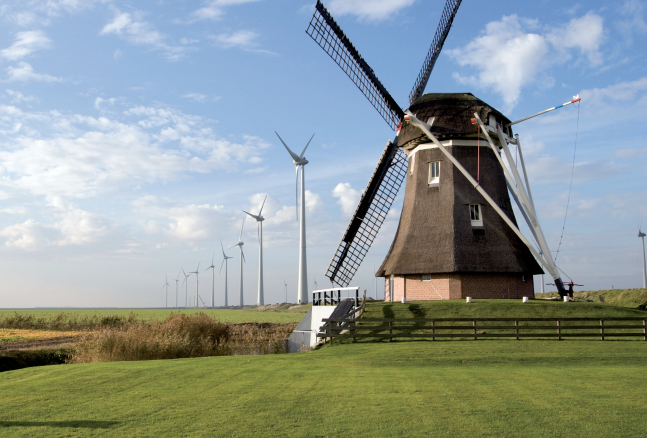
x: 449, y: 12
x: 369, y: 215
x: 327, y: 33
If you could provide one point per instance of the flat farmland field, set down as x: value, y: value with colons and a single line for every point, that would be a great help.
x: 251, y: 315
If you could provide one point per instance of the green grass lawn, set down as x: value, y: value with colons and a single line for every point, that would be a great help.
x: 452, y: 389
x: 224, y: 315
x: 617, y: 297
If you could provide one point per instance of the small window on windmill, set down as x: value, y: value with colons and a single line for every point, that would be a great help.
x: 475, y: 215
x: 426, y: 277
x: 434, y: 173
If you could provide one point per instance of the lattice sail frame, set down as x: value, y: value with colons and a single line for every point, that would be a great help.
x: 444, y: 26
x: 374, y: 205
x: 327, y: 33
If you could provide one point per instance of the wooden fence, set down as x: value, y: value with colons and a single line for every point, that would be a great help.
x: 353, y: 328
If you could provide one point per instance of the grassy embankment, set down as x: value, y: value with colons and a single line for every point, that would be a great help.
x: 616, y: 297
x: 484, y: 388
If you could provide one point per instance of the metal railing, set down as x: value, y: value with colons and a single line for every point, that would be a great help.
x: 333, y: 296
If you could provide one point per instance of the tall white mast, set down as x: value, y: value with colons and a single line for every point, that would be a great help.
x: 642, y: 236
x: 242, y: 259
x: 303, y: 260
x: 300, y: 162
x: 224, y: 261
x: 260, y: 300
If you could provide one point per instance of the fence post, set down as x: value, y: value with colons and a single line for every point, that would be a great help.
x: 356, y: 297
x: 559, y: 330
x: 602, y: 329
x: 516, y: 325
x: 645, y: 329
x: 433, y: 330
x: 354, y: 338
x: 474, y: 329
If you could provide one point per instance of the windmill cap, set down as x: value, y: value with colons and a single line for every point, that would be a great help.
x: 452, y: 114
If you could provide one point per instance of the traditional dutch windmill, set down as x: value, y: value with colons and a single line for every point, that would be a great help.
x: 457, y: 235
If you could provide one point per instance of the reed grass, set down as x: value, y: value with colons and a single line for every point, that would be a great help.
x: 180, y: 336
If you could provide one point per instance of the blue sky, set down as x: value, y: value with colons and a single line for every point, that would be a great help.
x: 133, y: 134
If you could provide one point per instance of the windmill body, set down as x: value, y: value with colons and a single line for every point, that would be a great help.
x: 213, y: 280
x: 450, y: 244
x: 457, y: 235
x: 197, y: 283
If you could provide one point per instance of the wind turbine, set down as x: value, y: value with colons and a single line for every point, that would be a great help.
x: 197, y: 282
x: 224, y: 261
x: 242, y: 259
x: 213, y: 279
x: 300, y: 161
x: 166, y: 285
x: 260, y: 300
x: 177, y: 280
x: 186, y: 289
x: 286, y: 290
x: 642, y: 236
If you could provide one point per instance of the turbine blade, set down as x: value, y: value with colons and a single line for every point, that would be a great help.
x: 183, y: 272
x: 223, y: 262
x: 241, y: 229
x: 223, y: 249
x: 262, y: 205
x: 212, y: 257
x: 198, y: 268
x: 295, y: 157
x: 304, y: 149
x: 242, y: 254
x: 255, y: 217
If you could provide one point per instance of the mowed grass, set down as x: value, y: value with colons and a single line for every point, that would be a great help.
x: 251, y: 315
x: 446, y: 389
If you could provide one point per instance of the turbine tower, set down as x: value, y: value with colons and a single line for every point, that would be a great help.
x: 177, y: 280
x: 197, y: 282
x: 213, y: 280
x: 242, y: 259
x: 166, y: 285
x: 260, y: 300
x: 186, y: 288
x: 300, y: 161
x: 642, y: 236
x: 224, y: 261
x: 286, y: 290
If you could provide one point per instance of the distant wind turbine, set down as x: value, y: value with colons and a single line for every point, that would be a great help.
x: 213, y: 279
x: 224, y: 261
x: 242, y: 259
x: 286, y: 290
x: 197, y: 282
x: 166, y: 285
x: 260, y: 300
x: 186, y: 288
x: 642, y: 235
x: 177, y: 280
x: 300, y: 161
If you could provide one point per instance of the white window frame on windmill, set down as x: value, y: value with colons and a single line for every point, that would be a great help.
x: 434, y: 174
x: 476, y: 215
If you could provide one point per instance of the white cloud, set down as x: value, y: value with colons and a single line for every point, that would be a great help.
x: 508, y: 57
x: 30, y: 12
x: 198, y: 97
x: 18, y: 97
x: 621, y: 92
x: 632, y: 20
x: 85, y: 156
x: 242, y: 39
x: 135, y: 30
x: 347, y: 198
x: 25, y: 44
x: 373, y: 10
x: 117, y: 54
x: 24, y: 72
x: 98, y: 101
x: 214, y: 9
x: 313, y: 202
x: 585, y: 33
